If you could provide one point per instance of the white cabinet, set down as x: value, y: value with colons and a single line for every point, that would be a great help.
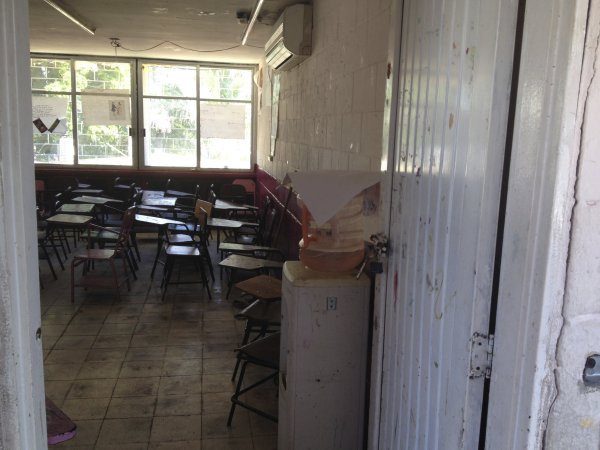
x: 324, y: 335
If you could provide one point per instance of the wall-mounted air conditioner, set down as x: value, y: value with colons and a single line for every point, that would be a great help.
x: 291, y: 42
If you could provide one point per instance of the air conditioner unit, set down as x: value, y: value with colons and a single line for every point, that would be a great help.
x: 291, y: 42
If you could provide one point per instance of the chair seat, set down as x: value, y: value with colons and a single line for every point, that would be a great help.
x: 264, y: 287
x: 94, y: 253
x: 261, y: 311
x: 248, y: 263
x: 181, y: 250
x: 180, y: 239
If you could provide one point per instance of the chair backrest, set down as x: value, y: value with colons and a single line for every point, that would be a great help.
x: 126, y: 226
x: 212, y: 195
x: 200, y: 212
x: 206, y: 206
x: 233, y: 192
x: 248, y: 184
x: 250, y: 187
x: 268, y: 223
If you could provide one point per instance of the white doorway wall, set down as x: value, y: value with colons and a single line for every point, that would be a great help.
x: 22, y: 412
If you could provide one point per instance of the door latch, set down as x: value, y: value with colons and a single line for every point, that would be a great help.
x: 376, y: 248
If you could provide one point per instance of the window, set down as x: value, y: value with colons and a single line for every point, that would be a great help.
x: 183, y: 126
x: 170, y: 116
x: 225, y: 118
x: 191, y: 115
x: 102, y: 95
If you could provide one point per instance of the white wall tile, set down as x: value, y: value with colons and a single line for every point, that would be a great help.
x: 331, y: 107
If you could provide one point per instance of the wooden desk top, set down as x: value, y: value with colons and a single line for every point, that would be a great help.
x: 152, y: 208
x: 87, y: 191
x: 223, y: 224
x: 160, y: 201
x: 245, y: 248
x: 69, y: 219
x: 157, y: 220
x: 262, y: 286
x: 96, y: 200
x: 248, y: 263
x: 224, y: 205
x: 81, y: 208
x: 173, y: 193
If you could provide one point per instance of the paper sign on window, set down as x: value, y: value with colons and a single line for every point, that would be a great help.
x: 222, y: 121
x: 105, y: 110
x: 49, y: 114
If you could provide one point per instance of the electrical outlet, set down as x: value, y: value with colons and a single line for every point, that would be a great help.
x: 331, y: 303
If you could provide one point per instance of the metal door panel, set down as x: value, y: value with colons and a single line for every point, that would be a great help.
x: 454, y: 81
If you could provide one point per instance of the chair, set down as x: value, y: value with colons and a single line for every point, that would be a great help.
x: 193, y: 234
x: 182, y: 254
x: 79, y: 185
x: 113, y: 219
x: 262, y: 317
x: 250, y: 188
x: 263, y: 353
x: 88, y: 256
x: 191, y: 251
x: 233, y: 193
x: 174, y: 193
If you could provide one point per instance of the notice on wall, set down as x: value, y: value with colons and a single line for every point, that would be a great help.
x: 49, y: 114
x: 105, y: 110
x: 222, y: 121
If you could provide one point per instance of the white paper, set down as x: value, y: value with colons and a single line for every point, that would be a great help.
x: 48, y: 110
x: 326, y: 192
x: 222, y: 121
x: 105, y: 110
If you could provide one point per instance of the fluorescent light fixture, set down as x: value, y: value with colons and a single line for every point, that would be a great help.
x: 71, y: 15
x: 252, y: 20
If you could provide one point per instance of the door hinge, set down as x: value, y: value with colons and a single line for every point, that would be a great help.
x: 482, y: 351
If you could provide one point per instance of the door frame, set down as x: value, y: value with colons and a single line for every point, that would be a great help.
x: 540, y: 201
x: 23, y: 414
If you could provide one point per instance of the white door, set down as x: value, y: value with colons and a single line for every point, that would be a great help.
x: 448, y: 136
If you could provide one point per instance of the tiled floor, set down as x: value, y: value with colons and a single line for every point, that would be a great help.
x: 141, y: 374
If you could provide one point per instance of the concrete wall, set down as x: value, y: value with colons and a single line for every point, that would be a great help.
x: 331, y: 105
x: 574, y: 420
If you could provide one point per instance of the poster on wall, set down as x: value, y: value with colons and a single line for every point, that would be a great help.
x: 274, y: 115
x: 49, y: 114
x: 105, y: 109
x: 222, y: 121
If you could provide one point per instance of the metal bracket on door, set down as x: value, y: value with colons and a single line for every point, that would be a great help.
x: 482, y: 351
x: 376, y: 248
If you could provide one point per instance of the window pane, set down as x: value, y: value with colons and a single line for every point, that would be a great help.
x: 225, y: 84
x: 52, y: 129
x: 102, y: 75
x: 225, y: 130
x: 170, y: 81
x: 103, y: 124
x: 51, y: 75
x: 170, y: 132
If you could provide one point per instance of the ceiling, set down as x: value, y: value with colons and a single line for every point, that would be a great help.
x: 141, y: 24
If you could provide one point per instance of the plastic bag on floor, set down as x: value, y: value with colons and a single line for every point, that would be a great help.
x: 60, y: 427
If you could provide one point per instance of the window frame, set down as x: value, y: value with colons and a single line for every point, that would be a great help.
x: 137, y: 112
x: 74, y: 93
